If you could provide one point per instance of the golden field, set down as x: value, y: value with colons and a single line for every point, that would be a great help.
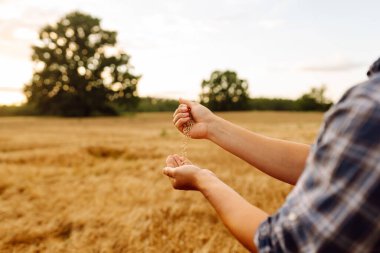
x: 95, y: 185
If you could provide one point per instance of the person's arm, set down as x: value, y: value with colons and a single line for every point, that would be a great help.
x: 284, y: 160
x: 240, y: 217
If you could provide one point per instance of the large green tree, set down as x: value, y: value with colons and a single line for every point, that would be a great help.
x: 225, y: 91
x: 79, y: 71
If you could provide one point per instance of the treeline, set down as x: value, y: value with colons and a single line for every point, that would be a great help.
x: 280, y: 104
x: 77, y: 78
x: 305, y: 103
x: 257, y: 104
x: 151, y: 104
x: 17, y: 110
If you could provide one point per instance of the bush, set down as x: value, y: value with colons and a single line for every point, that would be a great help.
x: 21, y: 110
x: 272, y: 104
x: 149, y: 104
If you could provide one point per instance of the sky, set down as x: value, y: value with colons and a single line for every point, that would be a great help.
x: 282, y: 47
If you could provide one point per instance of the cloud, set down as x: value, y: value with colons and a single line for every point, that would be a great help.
x: 332, y: 67
x: 271, y: 23
x: 9, y: 12
x: 24, y: 33
x: 10, y: 89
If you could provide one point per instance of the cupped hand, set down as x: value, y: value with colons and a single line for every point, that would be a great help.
x: 182, y: 173
x: 199, y: 114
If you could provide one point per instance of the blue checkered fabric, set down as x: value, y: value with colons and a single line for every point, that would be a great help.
x: 375, y: 68
x: 335, y: 205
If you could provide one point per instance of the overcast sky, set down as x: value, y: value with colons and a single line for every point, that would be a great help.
x: 281, y: 47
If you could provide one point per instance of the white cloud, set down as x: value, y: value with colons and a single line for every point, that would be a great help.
x: 18, y: 72
x: 24, y: 33
x: 9, y: 12
x: 334, y: 65
x: 271, y: 23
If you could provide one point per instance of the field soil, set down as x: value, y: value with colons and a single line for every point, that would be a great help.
x: 95, y: 185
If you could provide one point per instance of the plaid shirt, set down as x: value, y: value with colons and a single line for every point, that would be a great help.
x: 335, y: 206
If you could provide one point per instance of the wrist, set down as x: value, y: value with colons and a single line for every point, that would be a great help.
x: 213, y: 128
x: 203, y: 180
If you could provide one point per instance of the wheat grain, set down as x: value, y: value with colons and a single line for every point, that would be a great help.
x: 186, y: 131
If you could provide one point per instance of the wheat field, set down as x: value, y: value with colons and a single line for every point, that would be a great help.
x: 95, y: 185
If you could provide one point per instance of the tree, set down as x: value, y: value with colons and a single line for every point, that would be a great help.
x: 78, y: 71
x: 314, y: 100
x: 272, y: 104
x: 225, y: 91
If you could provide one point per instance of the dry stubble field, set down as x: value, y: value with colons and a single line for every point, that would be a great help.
x: 95, y: 185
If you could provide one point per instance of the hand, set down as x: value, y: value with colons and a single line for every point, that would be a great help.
x: 182, y: 173
x: 199, y: 114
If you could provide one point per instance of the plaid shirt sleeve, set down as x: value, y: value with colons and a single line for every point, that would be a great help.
x: 335, y: 206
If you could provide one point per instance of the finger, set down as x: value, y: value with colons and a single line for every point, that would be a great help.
x: 185, y: 107
x: 175, y: 112
x: 180, y: 115
x: 170, y: 162
x: 178, y: 159
x: 186, y: 102
x: 169, y: 171
x: 180, y: 109
x: 185, y: 160
x: 174, y: 161
x: 181, y: 121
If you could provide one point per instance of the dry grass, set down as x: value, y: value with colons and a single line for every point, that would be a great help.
x: 95, y: 185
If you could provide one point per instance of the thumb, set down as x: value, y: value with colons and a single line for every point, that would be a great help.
x: 169, y: 171
x: 186, y: 102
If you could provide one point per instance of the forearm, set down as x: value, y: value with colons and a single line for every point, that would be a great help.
x: 281, y: 159
x: 240, y: 217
